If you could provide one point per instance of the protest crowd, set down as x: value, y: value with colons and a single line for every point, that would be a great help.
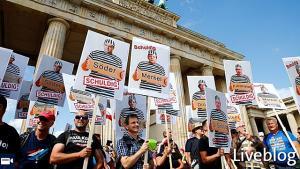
x: 217, y: 135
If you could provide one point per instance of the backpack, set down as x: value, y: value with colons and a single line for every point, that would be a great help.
x: 128, y: 143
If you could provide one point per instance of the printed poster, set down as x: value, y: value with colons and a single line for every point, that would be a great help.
x: 48, y: 86
x: 131, y: 104
x: 149, y: 69
x: 13, y: 77
x: 162, y: 119
x: 292, y: 66
x: 267, y: 97
x: 4, y: 59
x: 102, y: 66
x: 23, y: 100
x: 79, y: 100
x: 239, y: 81
x: 234, y: 115
x: 197, y: 85
x: 219, y: 132
x: 171, y: 105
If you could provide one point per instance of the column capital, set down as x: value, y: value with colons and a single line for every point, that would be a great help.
x: 176, y: 57
x: 207, y: 70
x: 59, y: 20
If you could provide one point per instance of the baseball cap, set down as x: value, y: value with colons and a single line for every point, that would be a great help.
x: 48, y: 115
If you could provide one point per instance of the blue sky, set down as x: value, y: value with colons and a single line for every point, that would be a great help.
x: 262, y: 30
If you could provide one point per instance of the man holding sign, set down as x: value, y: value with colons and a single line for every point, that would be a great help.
x: 151, y: 74
x: 51, y: 81
x: 12, y: 75
x: 219, y: 124
x: 106, y: 71
x: 198, y: 101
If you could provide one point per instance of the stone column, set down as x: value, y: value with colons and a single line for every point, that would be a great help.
x: 292, y: 122
x: 207, y: 70
x: 54, y: 39
x: 266, y: 130
x: 253, y: 125
x: 245, y: 118
x: 180, y: 129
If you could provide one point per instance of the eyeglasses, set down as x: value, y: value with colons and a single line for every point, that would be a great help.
x: 81, y: 117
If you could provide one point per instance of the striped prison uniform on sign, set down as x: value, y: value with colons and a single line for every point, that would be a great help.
x: 169, y: 109
x: 240, y: 79
x: 220, y: 139
x: 297, y: 80
x: 200, y: 95
x: 13, y: 69
x: 54, y: 76
x: 101, y: 56
x: 127, y: 111
x: 231, y: 110
x: 152, y: 68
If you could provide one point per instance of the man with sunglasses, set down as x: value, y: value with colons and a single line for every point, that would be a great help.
x: 36, y: 146
x: 70, y: 147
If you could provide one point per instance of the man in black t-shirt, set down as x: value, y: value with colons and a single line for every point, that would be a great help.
x: 70, y: 147
x: 36, y: 146
x: 210, y: 157
x: 9, y: 139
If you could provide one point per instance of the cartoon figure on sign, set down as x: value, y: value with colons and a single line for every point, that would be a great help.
x: 132, y: 109
x: 12, y: 75
x: 198, y: 101
x: 82, y: 100
x: 105, y: 67
x: 233, y: 116
x: 240, y: 83
x: 267, y: 98
x: 151, y: 74
x: 219, y: 125
x: 297, y: 79
x: 52, y: 85
x: 166, y: 104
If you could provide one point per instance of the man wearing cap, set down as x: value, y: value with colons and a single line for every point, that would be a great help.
x: 198, y: 101
x: 9, y: 138
x: 192, y: 145
x: 71, y: 149
x: 149, y: 69
x: 132, y: 109
x: 297, y: 79
x: 239, y: 78
x: 100, y: 58
x: 11, y: 70
x: 53, y: 76
x: 36, y: 146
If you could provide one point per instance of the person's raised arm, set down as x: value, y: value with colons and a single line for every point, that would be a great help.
x: 129, y: 161
x: 208, y: 159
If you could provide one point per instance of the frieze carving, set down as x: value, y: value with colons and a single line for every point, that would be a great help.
x: 137, y: 6
x: 137, y: 30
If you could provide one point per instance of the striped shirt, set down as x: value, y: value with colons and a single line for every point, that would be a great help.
x: 54, y: 76
x: 200, y: 95
x: 110, y: 59
x: 240, y: 79
x: 220, y: 139
x: 169, y: 109
x: 297, y: 80
x: 83, y: 94
x: 13, y: 69
x: 152, y: 68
